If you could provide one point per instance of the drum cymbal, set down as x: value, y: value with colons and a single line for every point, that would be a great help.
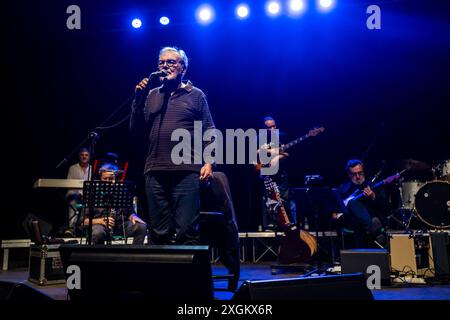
x: 414, y: 165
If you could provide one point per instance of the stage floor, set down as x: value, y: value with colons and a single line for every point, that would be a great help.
x: 259, y: 271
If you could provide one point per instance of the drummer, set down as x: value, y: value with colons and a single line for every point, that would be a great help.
x: 365, y: 216
x: 442, y: 171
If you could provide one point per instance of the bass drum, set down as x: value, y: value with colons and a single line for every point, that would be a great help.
x: 433, y: 204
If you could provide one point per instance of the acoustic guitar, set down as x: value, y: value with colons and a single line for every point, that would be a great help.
x: 296, y: 246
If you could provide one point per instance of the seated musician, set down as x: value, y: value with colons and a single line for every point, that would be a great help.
x: 281, y: 178
x: 120, y: 223
x: 364, y: 216
x: 78, y: 171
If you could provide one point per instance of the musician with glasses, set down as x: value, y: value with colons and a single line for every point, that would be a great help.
x: 172, y: 189
x: 124, y: 222
x: 366, y: 215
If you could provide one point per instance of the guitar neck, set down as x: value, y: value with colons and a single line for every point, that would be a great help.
x: 379, y: 184
x: 293, y: 143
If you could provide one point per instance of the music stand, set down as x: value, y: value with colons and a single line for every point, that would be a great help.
x: 106, y: 195
x: 317, y: 204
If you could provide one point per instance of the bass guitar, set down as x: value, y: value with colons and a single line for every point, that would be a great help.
x: 358, y: 194
x: 312, y: 133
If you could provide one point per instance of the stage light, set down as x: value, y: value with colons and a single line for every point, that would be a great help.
x: 164, y: 21
x: 296, y: 7
x: 242, y: 11
x: 205, y: 14
x: 273, y: 8
x: 136, y: 23
x: 326, y: 5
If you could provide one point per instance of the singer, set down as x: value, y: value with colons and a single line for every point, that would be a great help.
x: 366, y: 216
x: 173, y: 191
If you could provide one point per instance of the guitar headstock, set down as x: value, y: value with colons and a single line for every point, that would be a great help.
x: 315, y: 131
x: 392, y: 178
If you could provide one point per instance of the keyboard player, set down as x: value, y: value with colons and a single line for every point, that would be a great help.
x: 78, y: 171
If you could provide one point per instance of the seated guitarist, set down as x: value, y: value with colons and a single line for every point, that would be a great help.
x: 366, y: 215
x: 269, y: 218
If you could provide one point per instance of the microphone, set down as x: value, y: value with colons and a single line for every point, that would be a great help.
x: 152, y: 78
x: 161, y: 73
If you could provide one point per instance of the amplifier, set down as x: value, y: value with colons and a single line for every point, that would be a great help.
x: 411, y: 254
x: 359, y: 260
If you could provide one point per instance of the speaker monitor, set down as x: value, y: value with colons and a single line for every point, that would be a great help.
x: 441, y: 253
x: 335, y: 287
x: 17, y: 292
x: 359, y: 260
x: 140, y: 272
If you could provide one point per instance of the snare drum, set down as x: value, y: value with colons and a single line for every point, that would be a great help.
x: 432, y: 204
x: 408, y: 191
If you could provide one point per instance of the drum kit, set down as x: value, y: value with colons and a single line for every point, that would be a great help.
x: 425, y: 194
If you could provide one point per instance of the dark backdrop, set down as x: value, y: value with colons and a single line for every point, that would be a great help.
x: 325, y: 69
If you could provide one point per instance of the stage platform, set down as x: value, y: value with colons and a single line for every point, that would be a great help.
x: 255, y: 246
x: 259, y: 271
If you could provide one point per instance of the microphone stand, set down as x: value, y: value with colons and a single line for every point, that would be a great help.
x: 93, y: 137
x: 374, y: 139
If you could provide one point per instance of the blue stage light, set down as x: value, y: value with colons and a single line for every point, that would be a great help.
x: 205, y: 14
x: 136, y: 23
x: 273, y: 8
x: 164, y: 21
x: 326, y: 5
x: 242, y: 11
x: 296, y: 7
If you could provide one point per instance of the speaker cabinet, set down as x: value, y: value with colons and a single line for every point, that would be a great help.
x: 140, y: 272
x: 336, y: 287
x: 358, y: 260
x: 441, y: 253
x: 411, y: 254
x: 18, y: 292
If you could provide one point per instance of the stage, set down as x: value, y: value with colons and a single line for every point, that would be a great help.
x: 257, y: 271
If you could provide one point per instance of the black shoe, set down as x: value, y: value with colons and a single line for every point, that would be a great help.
x: 233, y: 284
x: 269, y: 227
x: 69, y: 233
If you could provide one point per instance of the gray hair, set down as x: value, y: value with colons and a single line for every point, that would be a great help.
x: 181, y: 53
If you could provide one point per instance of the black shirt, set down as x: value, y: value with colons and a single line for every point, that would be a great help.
x: 164, y: 113
x: 378, y: 207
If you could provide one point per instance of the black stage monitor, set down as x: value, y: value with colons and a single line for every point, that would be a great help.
x: 334, y: 287
x: 125, y: 272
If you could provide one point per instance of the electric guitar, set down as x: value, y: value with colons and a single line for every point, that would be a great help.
x: 297, y: 245
x: 358, y: 194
